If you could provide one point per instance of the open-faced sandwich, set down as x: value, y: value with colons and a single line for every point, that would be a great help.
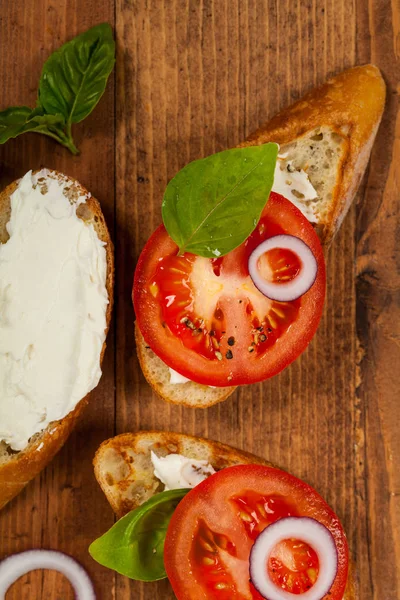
x: 56, y: 293
x: 218, y: 522
x: 230, y: 289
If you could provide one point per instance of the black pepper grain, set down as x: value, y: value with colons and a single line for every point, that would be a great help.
x: 229, y: 354
x: 231, y: 341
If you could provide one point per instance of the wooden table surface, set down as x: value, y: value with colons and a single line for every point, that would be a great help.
x: 194, y: 77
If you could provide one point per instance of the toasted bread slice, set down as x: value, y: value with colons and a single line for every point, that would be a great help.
x: 158, y: 375
x: 329, y: 134
x: 18, y: 468
x: 123, y: 468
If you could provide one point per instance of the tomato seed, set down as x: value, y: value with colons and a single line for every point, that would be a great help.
x: 245, y: 517
x: 206, y: 545
x: 273, y: 323
x: 215, y: 343
x: 208, y: 561
x: 261, y: 510
x: 154, y: 289
x: 220, y: 586
x: 278, y: 312
x: 218, y: 355
x: 312, y: 574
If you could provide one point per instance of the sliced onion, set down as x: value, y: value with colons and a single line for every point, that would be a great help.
x: 284, y: 292
x: 306, y: 530
x: 17, y: 565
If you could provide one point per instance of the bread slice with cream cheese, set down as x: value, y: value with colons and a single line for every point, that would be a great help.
x: 327, y: 134
x: 17, y: 468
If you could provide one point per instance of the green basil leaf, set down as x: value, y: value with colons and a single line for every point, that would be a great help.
x: 75, y: 76
x: 213, y: 204
x: 21, y: 119
x: 12, y: 120
x: 134, y: 546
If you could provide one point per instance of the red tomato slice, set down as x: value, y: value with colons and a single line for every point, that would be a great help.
x: 212, y: 530
x: 206, y: 319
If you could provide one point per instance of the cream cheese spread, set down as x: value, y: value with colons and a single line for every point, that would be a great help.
x: 295, y: 186
x: 175, y: 377
x: 176, y: 471
x: 53, y: 302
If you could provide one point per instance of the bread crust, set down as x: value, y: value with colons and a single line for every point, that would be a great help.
x: 25, y: 465
x: 351, y: 104
x: 140, y: 443
x: 169, y: 392
x: 127, y: 445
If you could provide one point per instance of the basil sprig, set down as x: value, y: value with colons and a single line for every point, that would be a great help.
x: 72, y: 82
x: 213, y: 204
x: 134, y: 546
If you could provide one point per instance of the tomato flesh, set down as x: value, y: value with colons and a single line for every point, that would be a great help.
x: 208, y: 330
x: 293, y: 566
x: 206, y: 319
x: 279, y: 265
x: 212, y: 531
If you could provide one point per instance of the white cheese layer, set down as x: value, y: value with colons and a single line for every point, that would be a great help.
x: 175, y: 377
x: 295, y: 186
x: 53, y: 302
x: 176, y: 471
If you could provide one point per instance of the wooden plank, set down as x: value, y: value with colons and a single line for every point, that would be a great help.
x: 378, y: 317
x: 63, y: 508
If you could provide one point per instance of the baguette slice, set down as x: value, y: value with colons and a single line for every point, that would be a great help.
x: 18, y: 468
x: 329, y: 134
x: 157, y: 374
x: 123, y: 468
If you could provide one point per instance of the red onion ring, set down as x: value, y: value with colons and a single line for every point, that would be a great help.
x: 284, y: 292
x: 15, y: 566
x: 307, y: 530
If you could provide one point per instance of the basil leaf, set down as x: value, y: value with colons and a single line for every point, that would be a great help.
x: 12, y: 120
x: 75, y: 76
x: 134, y: 546
x: 72, y: 82
x: 21, y: 119
x: 213, y: 204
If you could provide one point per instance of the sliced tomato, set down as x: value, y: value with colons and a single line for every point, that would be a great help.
x: 212, y: 531
x: 206, y: 319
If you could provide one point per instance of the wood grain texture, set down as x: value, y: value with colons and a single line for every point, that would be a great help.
x: 61, y: 509
x: 194, y: 77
